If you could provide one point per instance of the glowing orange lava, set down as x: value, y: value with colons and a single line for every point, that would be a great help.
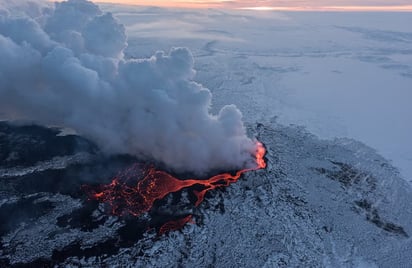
x: 174, y: 225
x: 124, y: 198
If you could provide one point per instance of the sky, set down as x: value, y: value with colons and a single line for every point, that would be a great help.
x: 349, y: 5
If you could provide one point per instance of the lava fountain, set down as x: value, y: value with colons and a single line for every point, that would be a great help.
x: 126, y: 197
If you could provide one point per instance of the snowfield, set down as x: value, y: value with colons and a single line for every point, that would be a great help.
x: 338, y: 74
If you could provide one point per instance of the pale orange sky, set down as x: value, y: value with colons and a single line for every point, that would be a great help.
x: 332, y: 5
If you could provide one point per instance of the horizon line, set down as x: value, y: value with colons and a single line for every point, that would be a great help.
x: 186, y: 5
x: 403, y: 8
x: 208, y: 5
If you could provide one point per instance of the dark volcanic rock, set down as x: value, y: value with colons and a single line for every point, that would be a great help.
x: 27, y: 145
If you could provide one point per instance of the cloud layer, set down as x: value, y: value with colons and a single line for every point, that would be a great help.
x: 64, y: 65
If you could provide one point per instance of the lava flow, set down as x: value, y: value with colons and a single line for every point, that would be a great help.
x: 125, y: 198
x: 174, y: 225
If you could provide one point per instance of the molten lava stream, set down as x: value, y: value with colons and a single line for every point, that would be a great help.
x: 155, y: 185
x: 175, y: 225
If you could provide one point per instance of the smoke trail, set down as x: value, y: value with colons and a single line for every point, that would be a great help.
x: 63, y: 64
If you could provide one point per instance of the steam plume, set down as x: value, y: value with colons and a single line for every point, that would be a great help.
x: 63, y: 64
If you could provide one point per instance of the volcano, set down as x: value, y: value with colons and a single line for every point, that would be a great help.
x: 312, y: 192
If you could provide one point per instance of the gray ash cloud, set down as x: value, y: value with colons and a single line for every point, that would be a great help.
x: 63, y: 64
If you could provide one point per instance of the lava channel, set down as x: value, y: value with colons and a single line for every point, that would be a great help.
x: 175, y: 225
x: 125, y: 198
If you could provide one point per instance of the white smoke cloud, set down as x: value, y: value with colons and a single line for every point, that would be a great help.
x: 64, y: 65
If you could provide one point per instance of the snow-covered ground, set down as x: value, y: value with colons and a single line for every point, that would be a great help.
x: 337, y: 74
